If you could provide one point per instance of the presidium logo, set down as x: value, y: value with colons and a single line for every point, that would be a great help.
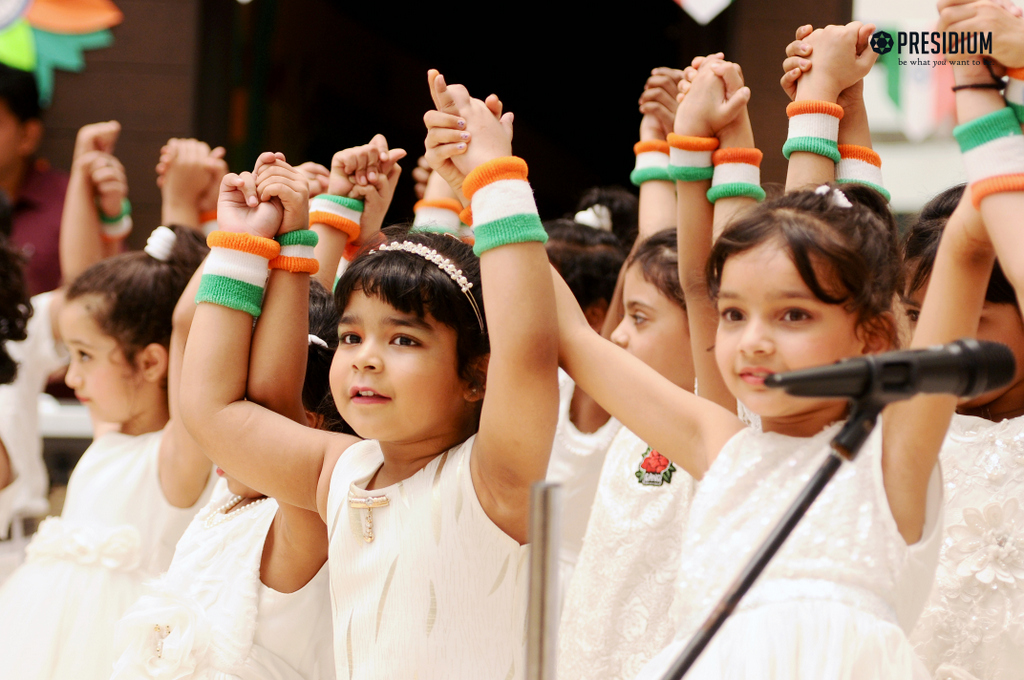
x: 933, y: 42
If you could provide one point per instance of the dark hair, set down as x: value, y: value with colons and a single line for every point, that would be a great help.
x: 139, y: 292
x: 588, y: 259
x: 15, y: 308
x: 19, y: 90
x: 922, y: 243
x: 414, y: 285
x: 858, y: 244
x: 658, y: 259
x: 624, y: 207
x: 316, y: 388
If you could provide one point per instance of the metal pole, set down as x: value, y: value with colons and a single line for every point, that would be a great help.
x: 542, y: 613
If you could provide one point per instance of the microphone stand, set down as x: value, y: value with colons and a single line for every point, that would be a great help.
x: 844, y: 446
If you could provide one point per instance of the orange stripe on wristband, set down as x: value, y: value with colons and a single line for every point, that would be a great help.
x: 692, y: 143
x: 466, y: 216
x: 860, y: 153
x: 812, y: 106
x: 208, y: 216
x: 296, y: 265
x: 444, y: 203
x: 1015, y: 73
x: 995, y: 185
x: 266, y: 248
x: 658, y: 145
x: 343, y: 225
x: 736, y: 155
x: 508, y: 167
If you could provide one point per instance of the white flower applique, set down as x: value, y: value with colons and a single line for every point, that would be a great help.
x: 991, y: 542
x: 164, y: 636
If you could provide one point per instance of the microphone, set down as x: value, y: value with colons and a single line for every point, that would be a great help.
x: 965, y: 368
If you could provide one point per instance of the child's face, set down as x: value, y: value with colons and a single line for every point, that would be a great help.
x: 655, y: 329
x: 394, y: 377
x: 99, y: 374
x: 771, y: 322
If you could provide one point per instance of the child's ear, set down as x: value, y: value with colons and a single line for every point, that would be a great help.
x: 477, y: 384
x: 31, y: 137
x: 152, y: 361
x: 879, y: 335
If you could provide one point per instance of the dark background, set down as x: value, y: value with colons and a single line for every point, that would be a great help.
x: 310, y: 77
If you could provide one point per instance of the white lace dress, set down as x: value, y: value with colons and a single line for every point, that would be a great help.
x: 210, y: 618
x: 840, y: 596
x: 615, y: 616
x: 973, y: 625
x: 576, y: 462
x: 439, y: 591
x: 83, y: 569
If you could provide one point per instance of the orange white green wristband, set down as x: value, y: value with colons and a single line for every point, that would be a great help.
x: 437, y: 215
x: 340, y: 212
x: 814, y: 128
x: 651, y: 162
x: 737, y: 173
x: 689, y: 158
x: 993, y: 151
x: 208, y: 222
x: 118, y: 226
x: 860, y: 165
x: 235, y: 273
x: 1014, y: 92
x: 504, y: 211
x: 297, y: 252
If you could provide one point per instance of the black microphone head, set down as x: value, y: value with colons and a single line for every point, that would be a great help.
x: 994, y: 364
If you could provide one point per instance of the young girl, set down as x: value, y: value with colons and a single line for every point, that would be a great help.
x: 426, y: 519
x: 133, y: 492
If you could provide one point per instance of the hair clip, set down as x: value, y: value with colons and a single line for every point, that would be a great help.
x: 596, y: 216
x: 314, y: 340
x: 160, y: 243
x: 836, y: 197
x: 443, y: 263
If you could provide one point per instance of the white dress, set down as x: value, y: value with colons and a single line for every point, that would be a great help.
x: 838, y: 599
x: 210, y: 618
x: 85, y: 568
x: 973, y: 625
x: 615, y: 616
x: 576, y: 462
x: 440, y: 591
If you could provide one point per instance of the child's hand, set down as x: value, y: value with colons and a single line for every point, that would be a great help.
x: 841, y: 58
x: 491, y: 134
x: 277, y: 182
x: 187, y: 175
x: 97, y: 137
x: 713, y: 101
x: 377, y: 193
x: 109, y: 181
x: 216, y: 168
x: 421, y: 175
x: 799, y: 61
x: 239, y: 208
x: 658, y: 103
x: 1003, y: 19
x: 317, y: 176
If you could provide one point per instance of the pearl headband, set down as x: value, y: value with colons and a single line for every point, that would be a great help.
x: 443, y: 263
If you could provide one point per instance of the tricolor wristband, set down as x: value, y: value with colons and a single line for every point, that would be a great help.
x: 208, y: 222
x: 1014, y: 92
x: 439, y: 215
x: 118, y: 226
x: 651, y: 162
x: 814, y: 128
x: 737, y: 173
x: 235, y: 273
x: 504, y: 211
x: 689, y: 158
x: 297, y: 252
x: 993, y: 151
x: 340, y: 212
x: 860, y: 165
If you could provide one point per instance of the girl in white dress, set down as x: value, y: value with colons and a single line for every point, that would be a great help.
x: 427, y: 518
x: 133, y: 492
x: 800, y: 281
x: 973, y: 624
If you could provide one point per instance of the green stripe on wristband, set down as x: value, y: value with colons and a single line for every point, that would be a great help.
x: 1001, y: 123
x: 685, y: 173
x: 299, y: 237
x: 1018, y: 110
x: 350, y: 203
x: 731, y: 189
x: 126, y: 209
x: 877, y: 187
x: 433, y: 229
x: 640, y: 175
x: 522, y: 228
x: 231, y: 293
x: 816, y: 145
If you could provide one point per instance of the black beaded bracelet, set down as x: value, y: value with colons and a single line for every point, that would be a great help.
x: 978, y: 86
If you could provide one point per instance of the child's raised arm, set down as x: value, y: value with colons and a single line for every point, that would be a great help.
x: 189, y: 175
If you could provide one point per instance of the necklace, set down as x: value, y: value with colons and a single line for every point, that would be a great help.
x: 219, y: 516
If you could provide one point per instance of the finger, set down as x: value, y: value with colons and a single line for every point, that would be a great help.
x: 422, y: 162
x: 442, y: 136
x: 248, y: 189
x: 420, y: 175
x: 506, y: 122
x: 689, y: 73
x: 380, y: 144
x: 804, y: 31
x: 661, y: 112
x: 943, y: 4
x: 800, y: 63
x: 443, y: 99
x: 265, y: 158
x: 673, y: 74
x: 438, y: 119
x: 732, y: 107
x: 788, y: 82
x: 733, y: 80
x: 494, y: 105
x: 659, y: 96
x: 864, y: 34
x: 956, y: 13
x: 666, y: 83
x: 442, y: 152
x: 798, y: 48
x: 218, y: 152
